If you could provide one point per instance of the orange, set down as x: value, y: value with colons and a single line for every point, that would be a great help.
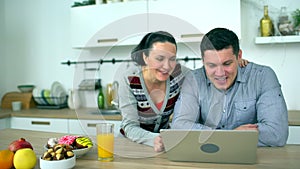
x: 6, y: 159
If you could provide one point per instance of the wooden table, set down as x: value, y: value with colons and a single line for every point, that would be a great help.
x: 130, y: 155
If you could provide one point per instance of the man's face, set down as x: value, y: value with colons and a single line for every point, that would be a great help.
x: 221, y: 67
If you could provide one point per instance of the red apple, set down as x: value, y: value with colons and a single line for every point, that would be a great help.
x: 18, y: 144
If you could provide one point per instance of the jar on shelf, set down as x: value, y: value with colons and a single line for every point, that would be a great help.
x: 284, y: 25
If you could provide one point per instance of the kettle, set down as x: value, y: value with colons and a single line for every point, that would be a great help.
x: 115, y: 95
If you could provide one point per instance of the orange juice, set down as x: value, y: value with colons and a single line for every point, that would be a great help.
x: 105, y: 144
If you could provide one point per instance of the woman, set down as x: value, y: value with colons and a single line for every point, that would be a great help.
x: 149, y: 89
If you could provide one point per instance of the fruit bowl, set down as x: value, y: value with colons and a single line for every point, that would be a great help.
x: 66, y: 163
x: 77, y: 152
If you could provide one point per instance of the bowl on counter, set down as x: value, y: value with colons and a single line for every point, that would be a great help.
x: 77, y: 152
x: 26, y: 88
x: 63, y: 164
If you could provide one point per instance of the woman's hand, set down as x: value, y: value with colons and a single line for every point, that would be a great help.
x: 243, y: 62
x: 158, y: 144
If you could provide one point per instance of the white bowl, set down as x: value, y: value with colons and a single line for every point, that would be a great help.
x: 61, y: 164
x: 82, y: 151
x: 26, y: 88
x: 77, y: 152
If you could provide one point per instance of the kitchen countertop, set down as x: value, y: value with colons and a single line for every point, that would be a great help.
x: 92, y: 114
x: 130, y: 155
x: 84, y: 113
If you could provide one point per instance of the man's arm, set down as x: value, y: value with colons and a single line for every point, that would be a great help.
x: 187, y: 108
x: 272, y: 113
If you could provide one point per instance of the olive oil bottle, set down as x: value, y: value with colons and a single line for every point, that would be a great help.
x: 266, y: 24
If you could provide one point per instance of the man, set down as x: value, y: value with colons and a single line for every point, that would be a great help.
x: 222, y: 95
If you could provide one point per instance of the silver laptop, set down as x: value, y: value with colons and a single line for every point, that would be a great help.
x: 215, y: 146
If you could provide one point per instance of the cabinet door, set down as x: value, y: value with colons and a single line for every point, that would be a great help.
x: 40, y: 124
x: 189, y: 20
x: 4, y: 123
x: 294, y: 136
x: 88, y: 127
x: 108, y: 24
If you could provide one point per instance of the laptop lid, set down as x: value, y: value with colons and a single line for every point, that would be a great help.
x: 217, y: 146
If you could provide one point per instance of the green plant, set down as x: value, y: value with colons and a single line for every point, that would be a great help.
x: 84, y: 3
x: 296, y: 17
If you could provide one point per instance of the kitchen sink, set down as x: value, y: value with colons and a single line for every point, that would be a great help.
x: 106, y: 111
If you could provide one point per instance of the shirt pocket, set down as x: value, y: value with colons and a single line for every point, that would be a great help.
x: 245, y: 112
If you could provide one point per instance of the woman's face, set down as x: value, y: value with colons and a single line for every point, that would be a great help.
x: 161, y: 61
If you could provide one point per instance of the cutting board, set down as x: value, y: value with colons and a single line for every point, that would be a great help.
x: 25, y: 98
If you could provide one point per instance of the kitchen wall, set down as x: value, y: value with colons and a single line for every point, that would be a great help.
x: 2, y: 48
x: 283, y: 58
x: 37, y: 39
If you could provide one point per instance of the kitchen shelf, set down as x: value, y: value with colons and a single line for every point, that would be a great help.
x: 277, y: 39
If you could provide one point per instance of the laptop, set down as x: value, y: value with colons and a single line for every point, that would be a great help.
x: 215, y: 146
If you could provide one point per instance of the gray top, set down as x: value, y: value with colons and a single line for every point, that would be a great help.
x: 255, y: 98
x: 141, y: 119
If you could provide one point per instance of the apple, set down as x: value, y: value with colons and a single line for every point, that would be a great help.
x: 19, y: 144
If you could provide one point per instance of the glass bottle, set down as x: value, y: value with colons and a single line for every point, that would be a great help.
x: 109, y: 95
x: 100, y: 98
x: 266, y: 24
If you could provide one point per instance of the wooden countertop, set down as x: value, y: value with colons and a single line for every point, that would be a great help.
x: 85, y: 113
x: 130, y: 155
x: 90, y: 114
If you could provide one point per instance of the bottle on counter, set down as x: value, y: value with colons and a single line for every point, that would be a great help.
x: 101, y: 99
x: 266, y: 24
x: 109, y: 96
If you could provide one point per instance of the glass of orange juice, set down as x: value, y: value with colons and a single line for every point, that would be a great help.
x: 105, y: 141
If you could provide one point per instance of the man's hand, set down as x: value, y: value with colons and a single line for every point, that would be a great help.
x: 158, y: 144
x: 247, y: 127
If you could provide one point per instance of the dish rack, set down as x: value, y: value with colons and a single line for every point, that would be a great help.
x: 51, y: 102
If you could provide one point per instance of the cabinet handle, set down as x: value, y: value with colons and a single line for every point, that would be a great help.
x: 91, y: 125
x: 195, y: 35
x: 107, y: 40
x: 40, y: 123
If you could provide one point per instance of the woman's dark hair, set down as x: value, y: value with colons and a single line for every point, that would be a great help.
x: 218, y: 39
x: 147, y: 43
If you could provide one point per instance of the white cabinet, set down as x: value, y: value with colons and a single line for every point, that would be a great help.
x: 108, y: 24
x: 189, y: 20
x: 88, y: 127
x: 120, y: 24
x: 4, y: 123
x: 40, y: 124
x: 294, y: 136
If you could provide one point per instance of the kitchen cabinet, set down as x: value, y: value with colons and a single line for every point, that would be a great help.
x: 88, y: 127
x: 98, y: 26
x: 190, y: 20
x: 107, y: 24
x: 4, y: 123
x: 40, y: 124
x: 294, y: 136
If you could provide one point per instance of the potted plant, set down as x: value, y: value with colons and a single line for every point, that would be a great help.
x: 296, y: 18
